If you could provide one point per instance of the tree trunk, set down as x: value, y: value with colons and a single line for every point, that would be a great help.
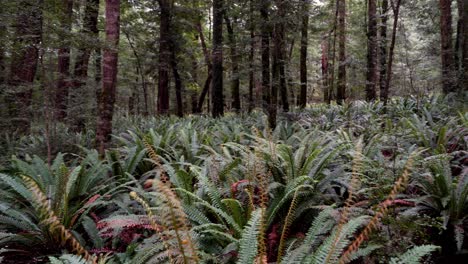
x: 371, y: 79
x: 89, y: 32
x: 63, y: 81
x: 462, y: 41
x: 265, y: 50
x: 140, y: 72
x: 28, y: 36
x: 251, y: 57
x: 107, y: 98
x: 341, y: 91
x: 303, y: 60
x: 178, y: 82
x: 164, y: 57
x: 235, y: 84
x: 325, y: 69
x: 396, y: 12
x: 447, y: 54
x: 281, y: 52
x: 207, y: 85
x: 217, y: 82
x: 383, y: 51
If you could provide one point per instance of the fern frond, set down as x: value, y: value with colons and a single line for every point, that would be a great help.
x: 248, y: 244
x: 414, y: 255
x: 399, y: 185
x: 49, y: 219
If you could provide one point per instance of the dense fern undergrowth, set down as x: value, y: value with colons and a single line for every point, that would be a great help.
x: 331, y: 184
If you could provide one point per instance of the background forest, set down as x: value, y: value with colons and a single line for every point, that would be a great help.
x: 243, y: 131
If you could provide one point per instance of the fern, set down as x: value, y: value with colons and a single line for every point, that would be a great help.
x: 414, y: 255
x: 248, y: 244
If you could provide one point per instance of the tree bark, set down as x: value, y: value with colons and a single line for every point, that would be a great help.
x: 371, y: 78
x: 89, y: 33
x: 265, y: 53
x: 251, y: 57
x: 341, y: 91
x: 164, y: 56
x: 462, y: 41
x: 217, y: 82
x: 447, y: 54
x: 140, y: 72
x: 107, y: 98
x: 303, y: 59
x: 383, y: 51
x: 235, y: 83
x: 325, y: 69
x: 63, y: 81
x: 206, y: 53
x: 28, y: 36
x: 178, y: 82
x: 281, y: 53
x: 396, y: 12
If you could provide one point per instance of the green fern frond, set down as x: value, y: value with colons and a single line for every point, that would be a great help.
x: 248, y: 244
x: 414, y: 255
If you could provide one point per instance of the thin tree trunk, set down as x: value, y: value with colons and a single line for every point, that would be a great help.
x: 140, y: 71
x: 396, y: 11
x: 89, y: 32
x: 383, y: 51
x: 106, y: 106
x: 281, y: 59
x: 341, y: 91
x: 178, y: 82
x: 164, y: 57
x: 63, y: 81
x: 235, y: 83
x: 265, y: 50
x: 447, y: 53
x: 303, y: 59
x: 24, y: 62
x: 325, y: 69
x: 462, y: 42
x: 371, y: 78
x: 331, y: 83
x: 206, y: 53
x: 251, y: 57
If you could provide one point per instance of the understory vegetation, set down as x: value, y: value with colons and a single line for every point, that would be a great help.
x: 359, y: 183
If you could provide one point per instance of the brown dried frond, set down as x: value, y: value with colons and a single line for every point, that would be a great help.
x: 287, y: 224
x: 354, y: 182
x: 177, y: 221
x: 53, y: 223
x: 382, y: 210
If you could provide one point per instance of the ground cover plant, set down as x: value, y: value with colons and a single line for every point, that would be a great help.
x: 331, y: 184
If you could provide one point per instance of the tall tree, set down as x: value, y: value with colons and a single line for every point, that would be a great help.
x: 396, y: 11
x: 235, y: 82
x: 89, y: 34
x: 265, y: 52
x: 462, y: 44
x: 303, y: 59
x: 383, y: 50
x: 325, y: 69
x: 371, y: 78
x: 164, y: 56
x: 24, y: 61
x: 63, y: 81
x: 251, y: 56
x: 209, y: 65
x: 217, y: 82
x: 341, y: 29
x: 109, y: 83
x: 447, y: 54
x: 280, y: 38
